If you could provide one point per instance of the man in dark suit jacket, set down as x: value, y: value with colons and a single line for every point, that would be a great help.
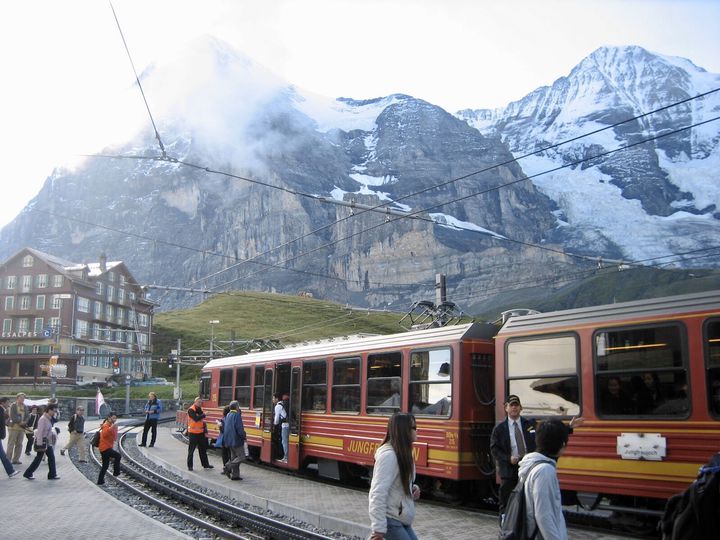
x: 507, y: 450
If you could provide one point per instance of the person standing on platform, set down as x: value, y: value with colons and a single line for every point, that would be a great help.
x: 196, y: 435
x: 16, y: 432
x: 392, y: 492
x: 76, y: 427
x: 219, y: 442
x: 234, y: 439
x: 153, y: 408
x: 279, y: 417
x: 510, y: 440
x: 45, y: 439
x: 9, y: 469
x: 108, y: 435
x: 542, y: 490
x: 32, y: 423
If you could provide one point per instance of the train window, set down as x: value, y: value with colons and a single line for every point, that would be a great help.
x: 384, y: 383
x: 314, y: 386
x: 259, y: 388
x: 641, y: 372
x: 430, y: 385
x: 346, y: 385
x: 205, y: 386
x: 543, y: 372
x: 242, y: 386
x: 225, y: 391
x: 712, y: 361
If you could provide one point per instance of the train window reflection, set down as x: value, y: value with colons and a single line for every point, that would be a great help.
x: 314, y: 387
x: 225, y: 390
x: 430, y: 382
x: 712, y: 361
x: 384, y: 383
x: 346, y: 385
x: 242, y: 386
x: 544, y: 374
x: 259, y: 395
x: 640, y: 372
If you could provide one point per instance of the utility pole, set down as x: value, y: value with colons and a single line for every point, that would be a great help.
x: 178, y: 390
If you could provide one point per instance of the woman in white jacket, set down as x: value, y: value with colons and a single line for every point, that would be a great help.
x: 392, y: 492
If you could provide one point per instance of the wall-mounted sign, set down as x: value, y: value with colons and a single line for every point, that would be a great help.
x: 642, y: 446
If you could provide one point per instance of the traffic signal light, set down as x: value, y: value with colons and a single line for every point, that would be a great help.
x: 171, y: 361
x: 115, y: 362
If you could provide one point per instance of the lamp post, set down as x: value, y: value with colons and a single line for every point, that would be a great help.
x: 53, y: 378
x: 212, y: 337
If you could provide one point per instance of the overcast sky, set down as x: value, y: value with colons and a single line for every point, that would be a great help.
x: 64, y: 64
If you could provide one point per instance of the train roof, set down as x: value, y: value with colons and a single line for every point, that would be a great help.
x: 341, y: 346
x: 623, y: 311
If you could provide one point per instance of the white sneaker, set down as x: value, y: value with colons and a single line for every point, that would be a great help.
x: 14, y: 473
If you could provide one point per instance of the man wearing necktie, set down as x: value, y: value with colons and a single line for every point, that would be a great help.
x: 509, y: 442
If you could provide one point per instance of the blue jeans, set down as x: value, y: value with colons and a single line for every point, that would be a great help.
x: 5, y: 461
x: 398, y: 531
x: 285, y: 431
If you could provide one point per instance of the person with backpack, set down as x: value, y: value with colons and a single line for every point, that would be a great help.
x: 391, y: 501
x: 153, y: 408
x: 693, y: 514
x: 538, y: 473
x: 76, y: 427
x: 108, y: 434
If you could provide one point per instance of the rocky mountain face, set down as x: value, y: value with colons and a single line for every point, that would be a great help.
x: 268, y: 225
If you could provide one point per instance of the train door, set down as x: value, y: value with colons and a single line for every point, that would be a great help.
x: 267, y: 417
x: 294, y: 418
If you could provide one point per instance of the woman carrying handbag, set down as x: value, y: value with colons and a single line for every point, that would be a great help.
x: 45, y: 439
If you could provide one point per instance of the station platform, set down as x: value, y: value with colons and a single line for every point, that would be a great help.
x: 329, y: 507
x: 72, y: 507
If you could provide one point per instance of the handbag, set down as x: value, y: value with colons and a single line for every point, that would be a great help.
x: 40, y: 447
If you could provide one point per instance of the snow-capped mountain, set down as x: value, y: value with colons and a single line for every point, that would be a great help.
x: 272, y: 224
x: 648, y: 201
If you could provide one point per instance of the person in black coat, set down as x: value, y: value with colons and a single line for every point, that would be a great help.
x: 507, y: 450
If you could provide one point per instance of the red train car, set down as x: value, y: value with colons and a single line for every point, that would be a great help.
x: 645, y: 376
x: 342, y: 392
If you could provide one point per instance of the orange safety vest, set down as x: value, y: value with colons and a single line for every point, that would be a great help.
x: 195, y: 426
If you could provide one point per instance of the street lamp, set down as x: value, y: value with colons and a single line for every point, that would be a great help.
x: 212, y: 336
x: 53, y: 372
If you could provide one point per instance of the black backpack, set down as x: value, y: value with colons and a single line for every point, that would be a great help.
x: 693, y: 514
x: 71, y: 424
x: 95, y: 441
x: 514, y: 525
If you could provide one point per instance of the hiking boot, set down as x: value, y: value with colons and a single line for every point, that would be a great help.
x: 62, y: 452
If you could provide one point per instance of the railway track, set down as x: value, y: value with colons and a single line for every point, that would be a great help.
x: 191, y: 509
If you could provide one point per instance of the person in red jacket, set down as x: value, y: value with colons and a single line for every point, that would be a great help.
x: 108, y: 435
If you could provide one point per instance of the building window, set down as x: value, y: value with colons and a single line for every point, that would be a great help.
x: 40, y: 301
x: 143, y: 339
x: 108, y: 312
x: 131, y: 296
x: 38, y: 326
x: 7, y: 326
x: 121, y: 295
x: 26, y: 368
x: 41, y: 281
x: 430, y: 383
x: 111, y: 277
x: 556, y: 391
x: 25, y: 302
x: 27, y: 283
x: 384, y: 383
x: 57, y: 280
x: 81, y: 329
x: 143, y: 319
x: 11, y: 282
x: 99, y: 288
x: 641, y: 371
x: 9, y: 303
x: 83, y: 304
x: 121, y: 280
x: 98, y: 310
x: 225, y: 390
x: 93, y: 357
x: 27, y: 261
x: 242, y: 386
x: 55, y: 324
x: 23, y: 325
x: 36, y: 349
x: 314, y: 388
x: 120, y: 315
x: 56, y: 301
x: 346, y: 385
x: 110, y: 293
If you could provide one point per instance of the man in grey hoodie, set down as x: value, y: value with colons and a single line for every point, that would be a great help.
x: 542, y: 489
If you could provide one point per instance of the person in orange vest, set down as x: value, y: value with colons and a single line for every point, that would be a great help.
x: 196, y: 435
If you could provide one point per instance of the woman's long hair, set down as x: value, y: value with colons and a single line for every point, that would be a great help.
x: 398, y: 435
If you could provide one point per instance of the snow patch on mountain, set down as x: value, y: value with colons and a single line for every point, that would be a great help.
x: 451, y: 222
x: 347, y: 115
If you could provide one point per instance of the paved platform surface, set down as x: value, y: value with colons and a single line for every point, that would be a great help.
x: 70, y: 508
x: 331, y: 507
